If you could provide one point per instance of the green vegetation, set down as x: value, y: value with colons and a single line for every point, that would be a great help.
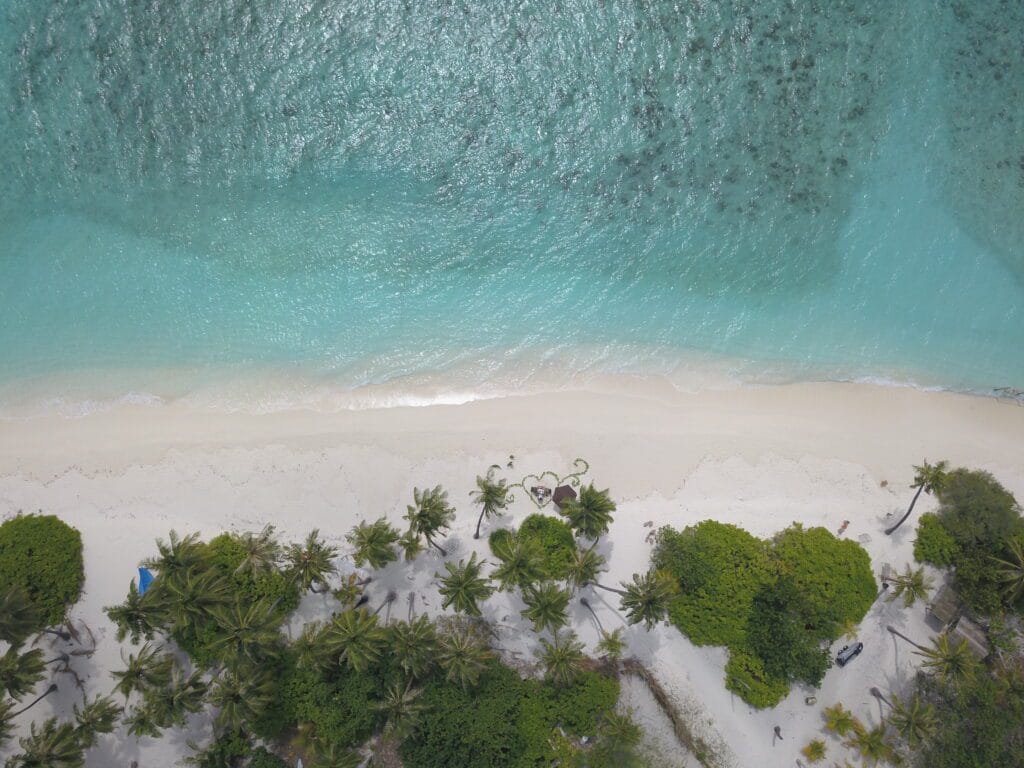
x: 975, y: 532
x: 775, y: 604
x: 551, y: 537
x: 41, y: 556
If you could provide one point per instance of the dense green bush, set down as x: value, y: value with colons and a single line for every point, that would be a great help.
x: 745, y: 676
x: 554, y: 538
x: 774, y: 604
x: 719, y: 568
x: 339, y: 707
x: 505, y: 721
x: 977, y: 511
x: 934, y: 544
x: 977, y: 518
x: 780, y: 636
x: 43, y: 555
x: 261, y: 758
x: 834, y: 576
x: 227, y: 551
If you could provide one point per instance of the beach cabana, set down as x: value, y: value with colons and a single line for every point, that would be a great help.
x: 946, y: 607
x: 562, y: 494
x: 968, y: 631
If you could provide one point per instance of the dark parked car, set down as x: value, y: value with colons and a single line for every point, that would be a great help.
x: 848, y: 653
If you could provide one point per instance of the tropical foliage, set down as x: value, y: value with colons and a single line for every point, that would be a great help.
x: 975, y: 532
x: 775, y: 604
x: 543, y: 534
x: 41, y: 556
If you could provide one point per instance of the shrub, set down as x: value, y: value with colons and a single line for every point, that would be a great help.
x: 43, y: 555
x: 934, y: 544
x: 226, y: 552
x: 977, y: 511
x: 814, y: 751
x: 504, y: 721
x: 834, y: 575
x: 746, y: 677
x: 719, y: 569
x: 340, y: 708
x: 261, y: 758
x: 779, y: 635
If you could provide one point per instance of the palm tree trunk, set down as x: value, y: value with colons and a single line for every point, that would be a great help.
x: 62, y: 658
x: 888, y: 531
x: 439, y: 548
x: 620, y: 592
x: 893, y: 631
x: 57, y: 633
x: 586, y: 604
x: 479, y: 520
x: 47, y: 692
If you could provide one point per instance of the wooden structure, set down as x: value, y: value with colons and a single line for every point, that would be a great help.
x: 562, y: 494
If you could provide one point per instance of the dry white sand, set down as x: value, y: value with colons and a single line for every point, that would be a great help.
x: 758, y: 457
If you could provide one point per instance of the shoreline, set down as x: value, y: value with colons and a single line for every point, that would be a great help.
x: 757, y: 457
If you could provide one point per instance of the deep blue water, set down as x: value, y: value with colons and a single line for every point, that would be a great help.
x: 363, y: 191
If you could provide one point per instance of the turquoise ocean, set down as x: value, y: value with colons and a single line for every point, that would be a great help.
x: 350, y: 193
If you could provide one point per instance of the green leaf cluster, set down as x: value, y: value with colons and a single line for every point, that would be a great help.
x: 42, y: 555
x: 775, y: 604
x: 227, y: 551
x: 976, y: 521
x: 504, y: 721
x: 553, y: 537
x: 337, y: 706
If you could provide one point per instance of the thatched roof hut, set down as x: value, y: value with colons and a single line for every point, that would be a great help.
x: 946, y: 606
x: 562, y: 494
x: 967, y: 631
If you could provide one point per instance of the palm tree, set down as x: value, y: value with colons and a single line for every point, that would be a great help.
x: 414, y: 646
x: 1011, y: 571
x: 948, y: 662
x: 616, y: 737
x: 374, y: 543
x: 928, y: 478
x: 20, y: 672
x: 176, y: 557
x: 872, y: 744
x: 562, y: 659
x: 463, y: 657
x: 430, y: 515
x: 262, y: 552
x: 19, y: 616
x: 410, y: 544
x: 464, y: 586
x: 95, y: 717
x: 6, y: 720
x: 329, y: 754
x: 591, y: 513
x: 171, y: 704
x: 915, y: 720
x: 141, y: 722
x: 401, y: 708
x: 840, y: 721
x: 149, y: 669
x: 814, y: 751
x: 247, y: 632
x: 139, y: 616
x: 490, y: 495
x: 242, y: 698
x: 647, y: 598
x: 521, y: 562
x: 584, y: 568
x: 546, y: 607
x: 52, y: 746
x: 612, y: 645
x: 312, y: 561
x: 913, y: 585
x: 354, y: 638
x: 194, y: 595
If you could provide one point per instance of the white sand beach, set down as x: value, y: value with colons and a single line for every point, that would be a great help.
x: 759, y: 457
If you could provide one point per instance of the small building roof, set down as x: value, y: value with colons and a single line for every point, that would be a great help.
x: 562, y: 494
x: 946, y: 605
x: 967, y: 631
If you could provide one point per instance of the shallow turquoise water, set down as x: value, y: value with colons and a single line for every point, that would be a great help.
x: 361, y: 191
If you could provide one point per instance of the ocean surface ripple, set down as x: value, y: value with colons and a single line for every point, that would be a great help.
x: 363, y: 192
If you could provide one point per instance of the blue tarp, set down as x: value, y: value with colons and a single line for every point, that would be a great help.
x: 145, y: 579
